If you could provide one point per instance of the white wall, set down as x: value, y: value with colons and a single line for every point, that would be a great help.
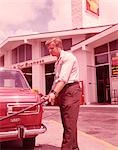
x: 76, y: 7
x: 38, y: 78
x: 87, y: 73
x: 82, y: 60
x: 108, y: 13
x: 89, y: 19
x: 38, y: 70
x: 108, y: 10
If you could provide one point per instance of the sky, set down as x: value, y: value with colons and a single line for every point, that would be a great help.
x: 21, y: 17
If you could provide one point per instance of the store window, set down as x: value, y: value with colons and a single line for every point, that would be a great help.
x: 67, y: 44
x: 44, y: 49
x: 2, y: 61
x: 113, y: 45
x: 101, y: 59
x: 101, y: 49
x: 22, y: 53
x: 14, y: 56
x: 114, y: 63
x: 28, y: 52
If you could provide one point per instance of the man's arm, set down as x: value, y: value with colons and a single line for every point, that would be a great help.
x: 54, y: 93
x: 59, y: 86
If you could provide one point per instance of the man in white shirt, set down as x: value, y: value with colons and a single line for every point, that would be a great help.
x: 66, y: 89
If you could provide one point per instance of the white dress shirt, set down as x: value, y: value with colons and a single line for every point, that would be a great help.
x: 66, y: 68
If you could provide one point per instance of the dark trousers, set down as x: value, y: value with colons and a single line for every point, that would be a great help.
x: 69, y: 108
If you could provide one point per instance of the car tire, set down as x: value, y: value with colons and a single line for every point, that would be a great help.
x: 29, y: 143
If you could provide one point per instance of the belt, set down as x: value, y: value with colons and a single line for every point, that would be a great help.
x: 70, y: 84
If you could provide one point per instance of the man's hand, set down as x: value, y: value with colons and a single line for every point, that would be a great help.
x: 51, y: 98
x: 45, y: 98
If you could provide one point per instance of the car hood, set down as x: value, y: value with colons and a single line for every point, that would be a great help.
x: 17, y: 95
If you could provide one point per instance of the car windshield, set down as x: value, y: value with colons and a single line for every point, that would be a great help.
x: 12, y: 79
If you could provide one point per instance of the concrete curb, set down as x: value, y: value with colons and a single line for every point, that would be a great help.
x: 90, y: 106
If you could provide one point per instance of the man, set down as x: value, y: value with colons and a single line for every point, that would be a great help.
x: 66, y: 89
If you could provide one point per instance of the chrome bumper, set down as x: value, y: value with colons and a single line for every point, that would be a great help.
x: 22, y: 133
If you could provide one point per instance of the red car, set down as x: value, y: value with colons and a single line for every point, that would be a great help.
x: 20, y: 114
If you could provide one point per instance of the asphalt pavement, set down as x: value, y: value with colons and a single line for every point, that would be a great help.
x: 97, y: 128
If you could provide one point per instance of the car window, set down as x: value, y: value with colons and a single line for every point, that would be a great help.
x: 12, y: 79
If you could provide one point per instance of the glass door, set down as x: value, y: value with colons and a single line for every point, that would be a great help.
x: 103, y: 84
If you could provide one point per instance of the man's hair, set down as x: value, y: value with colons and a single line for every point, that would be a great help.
x: 56, y: 41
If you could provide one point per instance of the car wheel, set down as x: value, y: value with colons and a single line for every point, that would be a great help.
x: 29, y: 143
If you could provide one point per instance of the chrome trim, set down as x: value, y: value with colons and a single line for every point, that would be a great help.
x: 11, y: 105
x: 14, y: 134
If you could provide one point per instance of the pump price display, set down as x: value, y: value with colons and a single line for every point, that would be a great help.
x: 114, y: 67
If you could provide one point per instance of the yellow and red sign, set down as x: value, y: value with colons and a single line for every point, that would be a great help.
x: 114, y: 61
x: 93, y: 6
